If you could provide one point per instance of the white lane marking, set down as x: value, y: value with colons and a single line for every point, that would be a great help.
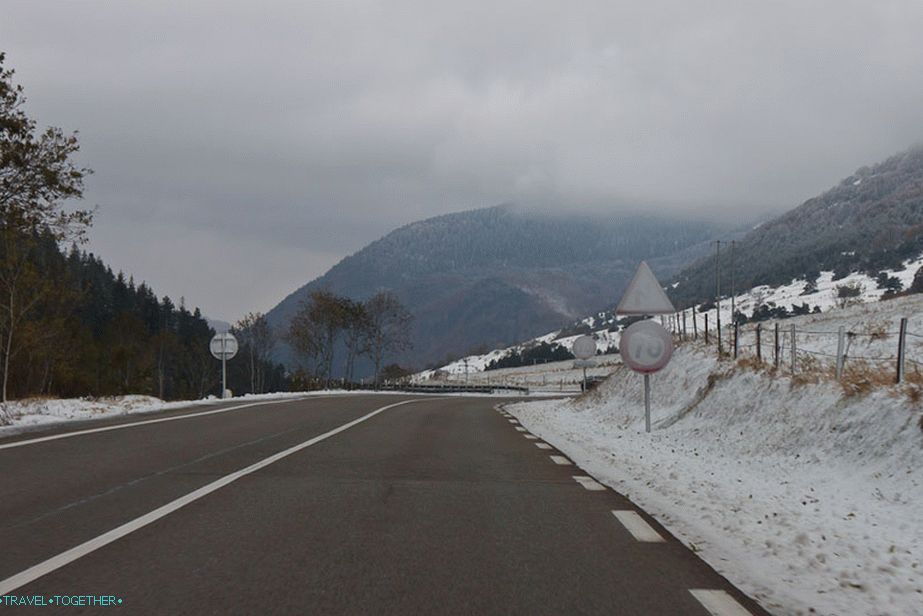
x: 133, y: 424
x: 64, y: 558
x: 543, y: 445
x: 639, y: 529
x: 560, y: 460
x: 513, y: 421
x: 531, y: 437
x: 719, y: 603
x: 589, y: 483
x: 520, y: 429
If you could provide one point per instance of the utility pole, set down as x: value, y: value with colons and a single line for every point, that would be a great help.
x: 733, y: 289
x: 466, y: 372
x: 718, y: 290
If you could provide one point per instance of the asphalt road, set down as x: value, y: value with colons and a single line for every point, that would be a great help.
x: 436, y: 506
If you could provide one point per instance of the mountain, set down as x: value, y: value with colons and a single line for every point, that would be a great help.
x: 869, y: 222
x: 494, y: 276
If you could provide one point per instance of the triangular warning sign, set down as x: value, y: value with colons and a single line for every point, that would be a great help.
x: 644, y: 295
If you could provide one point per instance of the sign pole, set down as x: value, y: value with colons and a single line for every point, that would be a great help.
x: 645, y: 346
x: 224, y: 368
x: 223, y: 347
x: 584, y: 379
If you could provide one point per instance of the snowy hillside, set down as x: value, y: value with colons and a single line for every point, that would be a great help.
x: 822, y: 296
x: 803, y: 491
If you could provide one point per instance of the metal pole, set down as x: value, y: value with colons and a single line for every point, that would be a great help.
x: 584, y: 379
x: 841, y: 336
x: 759, y: 343
x: 695, y: 325
x: 794, y: 349
x: 706, y: 328
x: 733, y: 290
x: 224, y: 367
x: 647, y: 403
x: 718, y: 291
x: 900, y: 350
x: 685, y: 335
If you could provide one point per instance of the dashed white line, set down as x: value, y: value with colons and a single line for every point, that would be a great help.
x: 520, y: 429
x: 531, y: 437
x: 639, y: 529
x: 560, y: 460
x: 543, y: 445
x: 719, y: 603
x: 589, y: 483
x: 64, y: 558
x: 513, y: 421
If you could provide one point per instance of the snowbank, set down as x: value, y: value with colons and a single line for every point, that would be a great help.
x: 805, y: 498
x: 23, y: 414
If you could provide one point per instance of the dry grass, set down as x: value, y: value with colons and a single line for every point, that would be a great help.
x: 861, y: 378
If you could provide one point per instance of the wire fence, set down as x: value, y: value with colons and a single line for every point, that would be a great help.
x: 793, y: 349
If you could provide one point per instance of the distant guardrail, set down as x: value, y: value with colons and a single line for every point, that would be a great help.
x: 455, y: 389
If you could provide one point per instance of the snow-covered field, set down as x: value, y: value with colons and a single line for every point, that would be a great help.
x: 806, y: 497
x: 559, y: 376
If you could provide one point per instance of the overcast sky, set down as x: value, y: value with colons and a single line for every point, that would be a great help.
x: 241, y: 149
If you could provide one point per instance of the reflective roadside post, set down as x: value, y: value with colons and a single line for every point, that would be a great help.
x: 645, y: 346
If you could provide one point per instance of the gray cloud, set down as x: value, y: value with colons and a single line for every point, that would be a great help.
x: 242, y: 148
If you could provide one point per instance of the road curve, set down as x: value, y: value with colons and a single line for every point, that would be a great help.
x: 325, y: 506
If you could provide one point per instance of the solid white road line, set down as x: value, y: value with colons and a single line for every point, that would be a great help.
x: 520, y: 429
x: 719, y: 603
x: 531, y: 437
x: 589, y: 483
x: 64, y: 558
x: 639, y: 529
x: 560, y: 460
x: 133, y: 424
x: 543, y: 445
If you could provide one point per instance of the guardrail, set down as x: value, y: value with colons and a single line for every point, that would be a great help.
x: 455, y: 389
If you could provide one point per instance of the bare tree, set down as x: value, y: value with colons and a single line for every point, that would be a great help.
x: 315, y: 328
x: 258, y: 340
x: 355, y: 329
x: 388, y: 329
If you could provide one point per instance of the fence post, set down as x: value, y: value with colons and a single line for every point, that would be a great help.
x: 759, y: 348
x: 706, y: 328
x: 794, y: 350
x: 775, y: 355
x: 841, y: 336
x: 695, y: 325
x: 684, y: 325
x: 736, y: 336
x: 900, y: 350
x: 718, y: 329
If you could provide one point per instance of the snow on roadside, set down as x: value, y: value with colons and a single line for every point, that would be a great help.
x: 24, y: 414
x: 803, y: 497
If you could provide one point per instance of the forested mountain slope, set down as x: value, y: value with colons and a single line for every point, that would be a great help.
x: 497, y: 275
x: 870, y: 221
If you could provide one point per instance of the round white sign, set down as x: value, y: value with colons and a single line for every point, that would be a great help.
x: 223, y: 346
x: 584, y: 347
x: 646, y: 347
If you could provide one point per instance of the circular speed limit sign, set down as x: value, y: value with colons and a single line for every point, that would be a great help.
x: 646, y: 347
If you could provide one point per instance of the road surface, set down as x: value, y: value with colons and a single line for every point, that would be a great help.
x: 359, y: 504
